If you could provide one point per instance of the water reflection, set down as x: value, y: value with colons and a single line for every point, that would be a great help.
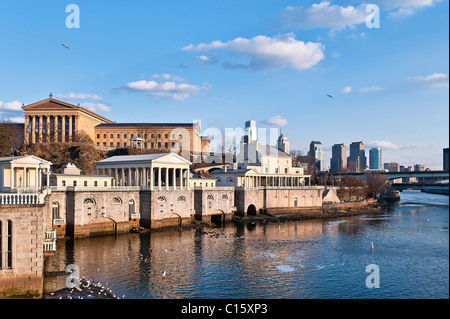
x: 301, y: 259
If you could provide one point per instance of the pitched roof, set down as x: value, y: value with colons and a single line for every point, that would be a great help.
x: 267, y: 150
x: 22, y: 157
x: 54, y: 104
x: 139, y: 158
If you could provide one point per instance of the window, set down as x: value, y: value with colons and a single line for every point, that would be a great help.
x: 159, y: 136
x: 118, y: 144
x: 162, y: 199
x: 152, y: 136
x: 104, y: 135
x: 104, y: 144
x: 224, y: 197
x: 173, y: 144
x: 124, y: 135
x: 63, y: 183
x: 116, y: 201
x: 166, y: 136
x: 98, y: 135
x: 74, y: 183
x: 152, y: 145
x: 230, y: 180
x: 118, y: 135
x: 173, y: 136
x: 9, y: 235
x: 89, y: 201
x: 286, y: 170
x: 111, y: 135
x: 124, y: 144
x: 181, y: 199
x: 210, y: 197
x: 85, y: 183
x: 105, y: 184
x: 159, y: 144
x: 131, y: 206
x: 111, y: 144
x: 55, y: 210
x: 180, y: 136
x: 98, y: 143
x: 95, y: 183
x: 218, y: 179
x: 132, y: 135
x: 166, y: 145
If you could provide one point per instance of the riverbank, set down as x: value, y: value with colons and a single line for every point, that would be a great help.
x: 284, y: 215
x: 87, y: 289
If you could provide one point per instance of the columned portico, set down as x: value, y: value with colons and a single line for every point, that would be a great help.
x: 166, y: 171
x: 51, y: 120
x: 23, y: 174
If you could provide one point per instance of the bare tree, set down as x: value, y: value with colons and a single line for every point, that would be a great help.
x: 377, y: 184
x: 11, y: 137
x: 83, y: 137
x: 352, y: 187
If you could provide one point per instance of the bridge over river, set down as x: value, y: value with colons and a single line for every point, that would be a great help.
x: 436, y: 188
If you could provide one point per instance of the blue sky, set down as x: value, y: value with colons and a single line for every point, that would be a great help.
x: 225, y: 62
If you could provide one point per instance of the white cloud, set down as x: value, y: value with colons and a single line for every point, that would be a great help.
x: 393, y: 4
x: 323, y: 15
x: 337, y: 17
x: 19, y: 119
x: 171, y: 89
x: 11, y: 106
x: 267, y: 53
x: 207, y: 59
x: 96, y: 107
x: 370, y: 89
x: 277, y: 120
x: 80, y: 96
x: 167, y: 76
x: 433, y: 80
x: 347, y: 89
x: 404, y: 8
x: 391, y: 146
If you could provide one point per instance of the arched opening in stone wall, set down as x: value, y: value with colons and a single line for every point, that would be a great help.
x: 251, y: 210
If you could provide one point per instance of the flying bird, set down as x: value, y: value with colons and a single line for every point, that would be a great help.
x: 329, y: 96
x: 65, y: 46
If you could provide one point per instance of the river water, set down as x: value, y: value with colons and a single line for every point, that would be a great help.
x: 318, y: 259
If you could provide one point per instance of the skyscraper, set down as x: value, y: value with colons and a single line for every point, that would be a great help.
x: 316, y: 155
x: 357, y: 161
x: 338, y: 158
x: 375, y: 160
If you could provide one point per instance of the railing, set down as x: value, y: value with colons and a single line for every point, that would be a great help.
x: 50, y: 234
x: 49, y: 246
x: 59, y: 221
x: 21, y: 199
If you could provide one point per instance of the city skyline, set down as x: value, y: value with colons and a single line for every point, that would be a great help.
x: 217, y: 62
